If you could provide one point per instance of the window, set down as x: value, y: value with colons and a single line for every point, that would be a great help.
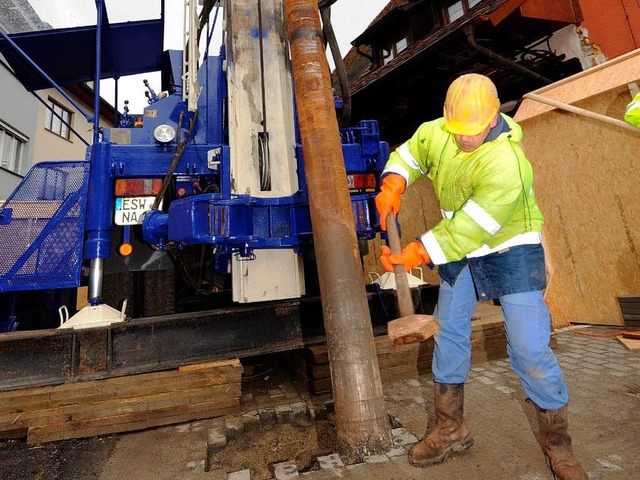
x: 387, y: 55
x: 392, y: 50
x: 401, y: 45
x: 59, y: 121
x: 11, y: 149
x: 455, y: 10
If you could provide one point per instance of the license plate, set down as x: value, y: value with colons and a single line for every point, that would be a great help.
x: 130, y: 210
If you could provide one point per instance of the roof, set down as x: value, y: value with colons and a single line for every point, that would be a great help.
x: 386, y: 16
x: 19, y: 16
x: 67, y: 55
x: 355, y: 62
x: 480, y: 11
x: 392, y: 5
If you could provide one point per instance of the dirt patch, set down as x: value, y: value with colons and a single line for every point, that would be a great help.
x: 260, y: 448
x: 66, y: 460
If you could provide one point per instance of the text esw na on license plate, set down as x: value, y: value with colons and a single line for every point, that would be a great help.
x: 130, y: 210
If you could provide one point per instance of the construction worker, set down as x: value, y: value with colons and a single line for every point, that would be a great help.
x: 632, y: 112
x: 487, y: 246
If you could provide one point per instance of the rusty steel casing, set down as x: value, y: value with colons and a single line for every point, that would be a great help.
x: 361, y: 419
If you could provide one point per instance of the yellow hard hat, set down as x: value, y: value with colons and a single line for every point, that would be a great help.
x: 471, y: 103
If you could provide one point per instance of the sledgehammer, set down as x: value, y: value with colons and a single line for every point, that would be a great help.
x: 410, y: 327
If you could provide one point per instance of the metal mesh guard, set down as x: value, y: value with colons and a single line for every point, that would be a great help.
x: 42, y: 245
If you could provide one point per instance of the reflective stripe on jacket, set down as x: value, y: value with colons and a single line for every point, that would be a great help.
x: 632, y: 114
x: 486, y: 196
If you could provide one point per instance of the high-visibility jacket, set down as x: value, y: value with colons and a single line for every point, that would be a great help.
x: 632, y: 113
x: 486, y: 196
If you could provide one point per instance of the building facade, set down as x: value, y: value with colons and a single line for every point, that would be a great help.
x: 44, y: 126
x: 18, y: 108
x: 400, y: 67
x: 613, y: 26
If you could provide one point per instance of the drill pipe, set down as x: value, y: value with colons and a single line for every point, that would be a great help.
x: 361, y: 420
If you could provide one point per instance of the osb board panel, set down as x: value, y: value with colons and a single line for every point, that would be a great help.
x: 586, y: 84
x: 586, y: 177
x: 586, y: 180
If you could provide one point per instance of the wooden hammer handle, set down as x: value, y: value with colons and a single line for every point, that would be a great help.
x: 405, y: 303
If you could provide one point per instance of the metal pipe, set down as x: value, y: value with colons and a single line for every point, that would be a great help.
x: 98, y: 73
x: 361, y: 420
x: 469, y: 31
x: 95, y: 281
x: 98, y: 224
x: 343, y: 79
x: 581, y: 111
x: 116, y: 115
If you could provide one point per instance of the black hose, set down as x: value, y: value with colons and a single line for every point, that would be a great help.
x: 325, y: 3
x: 204, y: 16
x: 327, y: 29
x: 181, y: 144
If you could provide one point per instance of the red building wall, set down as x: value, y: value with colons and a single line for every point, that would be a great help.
x: 614, y: 25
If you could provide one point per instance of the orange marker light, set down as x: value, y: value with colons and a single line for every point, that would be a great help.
x: 125, y: 249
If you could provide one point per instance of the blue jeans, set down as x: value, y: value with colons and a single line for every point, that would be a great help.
x: 528, y: 328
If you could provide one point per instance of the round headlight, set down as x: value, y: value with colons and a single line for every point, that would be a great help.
x: 164, y: 133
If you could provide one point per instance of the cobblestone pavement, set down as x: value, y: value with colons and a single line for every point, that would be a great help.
x: 604, y: 386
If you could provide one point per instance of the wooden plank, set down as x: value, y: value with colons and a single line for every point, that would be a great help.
x: 394, y: 359
x: 317, y: 354
x: 184, y: 413
x: 321, y: 386
x: 633, y: 345
x: 106, y: 392
x: 479, y: 357
x: 384, y: 346
x: 317, y: 372
x: 134, y: 416
x: 221, y: 374
x: 234, y: 363
x: 487, y: 331
x: 117, y: 406
x: 122, y: 387
x: 488, y: 340
x: 102, y: 406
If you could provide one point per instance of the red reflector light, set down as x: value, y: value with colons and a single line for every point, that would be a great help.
x: 137, y: 187
x: 360, y: 181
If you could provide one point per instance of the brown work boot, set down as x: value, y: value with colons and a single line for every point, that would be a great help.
x: 556, y: 444
x: 450, y: 434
